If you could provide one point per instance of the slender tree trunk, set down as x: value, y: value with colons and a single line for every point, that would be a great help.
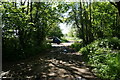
x: 91, y: 38
x: 86, y: 20
x: 31, y: 19
x: 21, y: 31
x: 76, y: 20
x: 27, y: 7
x: 118, y: 7
x: 82, y: 25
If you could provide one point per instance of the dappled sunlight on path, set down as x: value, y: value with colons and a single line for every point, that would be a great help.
x: 62, y: 44
x: 59, y: 63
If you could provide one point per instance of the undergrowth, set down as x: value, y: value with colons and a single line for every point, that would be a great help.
x: 76, y: 46
x: 104, y: 56
x: 12, y: 51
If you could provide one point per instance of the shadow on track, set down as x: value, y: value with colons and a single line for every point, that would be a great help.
x: 59, y: 63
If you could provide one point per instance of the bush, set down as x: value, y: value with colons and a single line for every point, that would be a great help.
x: 64, y: 40
x: 77, y: 46
x: 36, y: 49
x: 104, y: 56
x: 12, y: 51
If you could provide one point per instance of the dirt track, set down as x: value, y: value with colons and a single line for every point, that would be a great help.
x: 59, y: 63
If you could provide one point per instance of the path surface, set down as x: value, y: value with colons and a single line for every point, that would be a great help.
x: 59, y: 63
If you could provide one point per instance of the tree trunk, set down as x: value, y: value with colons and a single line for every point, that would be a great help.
x: 31, y: 20
x: 117, y: 5
x: 86, y: 24
x: 82, y: 25
x: 27, y: 7
x: 91, y: 38
x: 76, y: 20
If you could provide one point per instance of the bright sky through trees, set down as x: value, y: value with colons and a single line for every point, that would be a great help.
x: 65, y: 27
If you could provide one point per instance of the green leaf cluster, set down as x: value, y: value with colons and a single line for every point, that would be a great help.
x: 25, y: 28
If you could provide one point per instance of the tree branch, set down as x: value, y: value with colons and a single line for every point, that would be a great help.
x: 114, y: 4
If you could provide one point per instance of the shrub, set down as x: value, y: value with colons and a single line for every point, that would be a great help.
x: 77, y: 46
x: 12, y: 51
x: 104, y: 56
x: 64, y: 40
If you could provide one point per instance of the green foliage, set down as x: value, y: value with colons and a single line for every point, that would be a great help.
x: 55, y: 31
x: 93, y: 21
x: 25, y: 28
x: 77, y: 46
x: 12, y: 51
x: 64, y: 40
x: 104, y: 56
x: 104, y: 23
